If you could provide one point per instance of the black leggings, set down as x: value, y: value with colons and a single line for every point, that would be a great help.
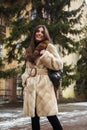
x: 52, y: 119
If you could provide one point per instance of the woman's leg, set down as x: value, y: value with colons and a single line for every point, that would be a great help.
x: 55, y: 122
x: 35, y: 122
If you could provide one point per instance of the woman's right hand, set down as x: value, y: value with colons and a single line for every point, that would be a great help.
x: 42, y: 52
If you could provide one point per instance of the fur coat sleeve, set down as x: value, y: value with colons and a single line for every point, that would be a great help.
x: 24, y: 77
x: 51, y: 58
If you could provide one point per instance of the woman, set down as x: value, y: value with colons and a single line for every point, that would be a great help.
x: 39, y: 95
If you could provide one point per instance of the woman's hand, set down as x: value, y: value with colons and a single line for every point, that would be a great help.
x: 42, y: 52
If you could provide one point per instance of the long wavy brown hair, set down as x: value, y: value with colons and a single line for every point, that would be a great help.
x: 32, y: 46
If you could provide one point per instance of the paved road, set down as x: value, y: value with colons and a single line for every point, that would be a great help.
x: 73, y: 116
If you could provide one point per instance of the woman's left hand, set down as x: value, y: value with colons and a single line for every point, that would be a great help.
x: 42, y: 52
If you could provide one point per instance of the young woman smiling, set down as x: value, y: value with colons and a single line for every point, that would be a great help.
x: 39, y: 95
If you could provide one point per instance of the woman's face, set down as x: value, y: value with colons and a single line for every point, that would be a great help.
x: 39, y: 35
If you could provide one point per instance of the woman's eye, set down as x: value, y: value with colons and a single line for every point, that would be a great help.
x: 38, y: 31
x: 42, y: 32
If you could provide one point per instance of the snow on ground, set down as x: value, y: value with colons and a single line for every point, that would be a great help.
x: 78, y: 104
x: 71, y: 113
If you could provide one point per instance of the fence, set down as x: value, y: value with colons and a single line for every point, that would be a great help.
x: 5, y: 94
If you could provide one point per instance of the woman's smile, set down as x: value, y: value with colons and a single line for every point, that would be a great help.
x: 39, y: 35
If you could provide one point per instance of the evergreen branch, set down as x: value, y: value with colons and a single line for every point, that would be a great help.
x: 8, y: 73
x: 12, y: 10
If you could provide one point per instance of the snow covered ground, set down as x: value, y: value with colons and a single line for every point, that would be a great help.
x: 70, y: 114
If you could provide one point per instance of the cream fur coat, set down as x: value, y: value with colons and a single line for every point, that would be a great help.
x: 39, y: 92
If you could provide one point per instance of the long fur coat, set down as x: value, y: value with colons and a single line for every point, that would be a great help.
x: 39, y: 94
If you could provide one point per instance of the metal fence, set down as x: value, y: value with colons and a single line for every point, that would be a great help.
x: 5, y: 94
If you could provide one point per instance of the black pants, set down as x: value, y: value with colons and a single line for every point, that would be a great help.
x: 52, y: 119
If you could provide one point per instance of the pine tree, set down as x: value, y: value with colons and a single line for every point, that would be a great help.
x: 81, y: 83
x: 8, y: 11
x: 52, y: 13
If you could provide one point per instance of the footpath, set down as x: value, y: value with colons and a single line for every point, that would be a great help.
x: 73, y: 116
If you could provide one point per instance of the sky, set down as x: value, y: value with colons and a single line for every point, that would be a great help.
x: 86, y: 1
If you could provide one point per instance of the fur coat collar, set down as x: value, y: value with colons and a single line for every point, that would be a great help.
x: 33, y: 55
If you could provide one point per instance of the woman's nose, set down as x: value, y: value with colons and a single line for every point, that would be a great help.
x: 39, y: 32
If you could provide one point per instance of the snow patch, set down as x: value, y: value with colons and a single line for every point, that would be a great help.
x: 14, y: 117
